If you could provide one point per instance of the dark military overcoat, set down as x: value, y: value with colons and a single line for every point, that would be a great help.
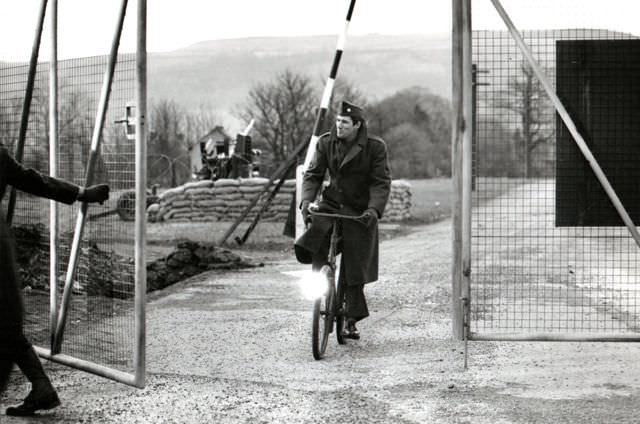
x: 360, y: 181
x: 30, y: 181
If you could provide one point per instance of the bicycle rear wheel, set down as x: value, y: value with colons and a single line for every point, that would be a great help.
x: 323, y: 315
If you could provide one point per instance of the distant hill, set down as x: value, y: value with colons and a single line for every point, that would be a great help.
x: 221, y: 72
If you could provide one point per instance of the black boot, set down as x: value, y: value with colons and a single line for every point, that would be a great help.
x: 42, y: 394
x: 350, y: 331
x: 36, y: 400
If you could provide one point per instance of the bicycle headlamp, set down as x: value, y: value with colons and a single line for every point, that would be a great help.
x: 313, y: 285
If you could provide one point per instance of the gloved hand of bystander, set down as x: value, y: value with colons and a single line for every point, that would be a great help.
x: 94, y: 194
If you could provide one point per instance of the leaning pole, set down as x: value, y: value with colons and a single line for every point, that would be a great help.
x: 283, y: 169
x: 321, y: 116
x: 96, y: 139
x: 26, y: 106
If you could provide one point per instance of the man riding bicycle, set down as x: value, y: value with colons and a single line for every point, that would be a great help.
x: 359, y: 182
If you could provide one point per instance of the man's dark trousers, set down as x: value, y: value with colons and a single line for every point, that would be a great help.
x: 16, y: 349
x: 356, y: 302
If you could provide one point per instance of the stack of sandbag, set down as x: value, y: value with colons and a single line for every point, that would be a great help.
x: 222, y: 200
x: 399, y: 206
x: 227, y: 199
x: 279, y: 208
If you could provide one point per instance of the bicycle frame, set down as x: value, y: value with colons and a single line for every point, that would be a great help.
x: 333, y: 244
x: 333, y: 300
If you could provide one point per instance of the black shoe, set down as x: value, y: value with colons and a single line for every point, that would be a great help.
x: 35, y: 402
x: 350, y: 331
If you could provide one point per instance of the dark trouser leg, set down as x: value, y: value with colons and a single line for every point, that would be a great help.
x: 42, y: 394
x: 6, y: 364
x: 30, y: 365
x: 7, y: 341
x: 356, y: 303
x: 319, y: 258
x: 5, y: 370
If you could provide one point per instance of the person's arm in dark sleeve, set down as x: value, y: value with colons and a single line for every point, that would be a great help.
x: 33, y: 182
x: 379, y: 179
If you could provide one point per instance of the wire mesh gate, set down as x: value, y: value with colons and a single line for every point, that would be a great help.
x: 103, y: 322
x: 548, y: 256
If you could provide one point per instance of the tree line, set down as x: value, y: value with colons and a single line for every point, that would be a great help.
x: 515, y: 140
x: 517, y: 126
x: 415, y: 124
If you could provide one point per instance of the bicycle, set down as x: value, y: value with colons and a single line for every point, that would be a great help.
x: 329, y: 307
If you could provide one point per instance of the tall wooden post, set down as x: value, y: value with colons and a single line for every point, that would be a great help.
x: 141, y: 201
x: 467, y: 150
x: 462, y: 132
x: 456, y: 166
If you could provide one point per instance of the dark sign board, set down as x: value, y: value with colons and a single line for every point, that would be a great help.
x: 598, y: 81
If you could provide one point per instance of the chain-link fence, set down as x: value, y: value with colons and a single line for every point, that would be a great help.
x: 100, y: 321
x: 550, y: 255
x: 100, y: 327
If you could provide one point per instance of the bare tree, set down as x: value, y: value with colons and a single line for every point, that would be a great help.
x: 10, y: 122
x: 75, y: 127
x: 166, y: 137
x: 173, y: 130
x: 284, y: 113
x: 525, y: 97
x: 199, y: 122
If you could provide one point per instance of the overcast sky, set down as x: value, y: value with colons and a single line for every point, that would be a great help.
x: 86, y: 26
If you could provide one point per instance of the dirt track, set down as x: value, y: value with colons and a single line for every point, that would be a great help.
x: 235, y: 347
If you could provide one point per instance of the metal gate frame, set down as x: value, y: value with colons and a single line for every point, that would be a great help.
x: 58, y: 313
x: 462, y: 133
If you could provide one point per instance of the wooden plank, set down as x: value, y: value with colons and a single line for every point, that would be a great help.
x: 456, y: 165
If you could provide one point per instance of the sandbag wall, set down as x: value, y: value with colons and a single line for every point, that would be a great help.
x: 222, y: 200
x: 226, y: 200
x: 399, y: 205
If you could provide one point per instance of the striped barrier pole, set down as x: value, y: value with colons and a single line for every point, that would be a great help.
x: 320, y: 117
x: 283, y: 169
x: 328, y: 88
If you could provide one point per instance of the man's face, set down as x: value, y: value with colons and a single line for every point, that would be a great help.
x: 345, y: 128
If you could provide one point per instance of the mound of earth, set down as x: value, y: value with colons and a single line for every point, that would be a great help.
x: 110, y: 274
x: 190, y: 258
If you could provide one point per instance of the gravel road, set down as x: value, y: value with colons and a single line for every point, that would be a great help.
x: 234, y: 347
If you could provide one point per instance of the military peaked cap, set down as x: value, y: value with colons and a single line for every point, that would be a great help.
x: 351, y: 110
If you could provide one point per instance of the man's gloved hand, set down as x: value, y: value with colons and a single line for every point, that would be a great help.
x: 94, y: 194
x: 370, y: 215
x: 304, y: 209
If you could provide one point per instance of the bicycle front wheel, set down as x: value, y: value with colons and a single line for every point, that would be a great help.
x: 340, y: 319
x: 323, y: 315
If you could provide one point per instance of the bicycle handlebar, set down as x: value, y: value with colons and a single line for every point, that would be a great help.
x: 336, y: 215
